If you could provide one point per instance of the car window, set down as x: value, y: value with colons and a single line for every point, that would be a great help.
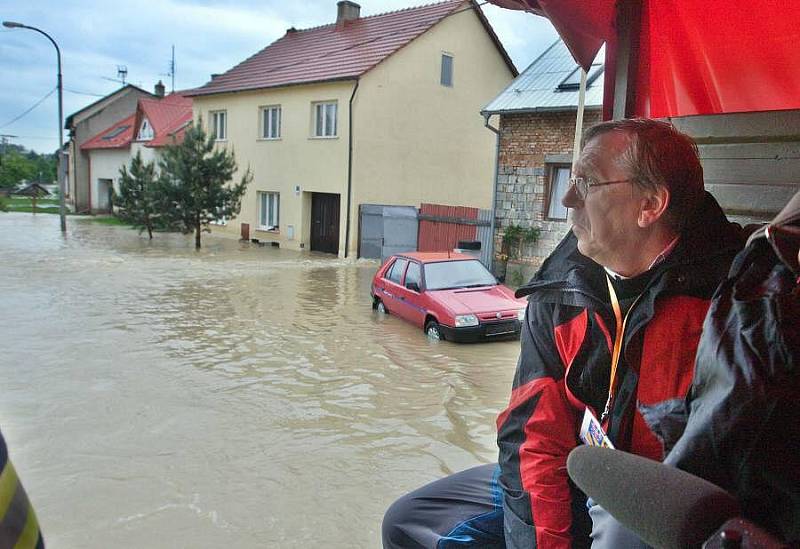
x: 396, y: 270
x: 457, y: 274
x: 413, y: 274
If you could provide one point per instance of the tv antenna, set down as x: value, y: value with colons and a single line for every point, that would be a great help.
x: 122, y: 75
x: 171, y: 71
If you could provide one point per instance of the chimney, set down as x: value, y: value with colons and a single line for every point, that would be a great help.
x: 347, y: 11
x: 160, y: 89
x: 214, y: 76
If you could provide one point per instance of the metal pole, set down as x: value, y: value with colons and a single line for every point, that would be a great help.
x: 576, y: 145
x: 62, y: 208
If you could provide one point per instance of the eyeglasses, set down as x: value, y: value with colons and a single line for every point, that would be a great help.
x: 583, y: 184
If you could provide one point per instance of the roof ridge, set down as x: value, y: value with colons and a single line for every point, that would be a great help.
x: 410, y: 8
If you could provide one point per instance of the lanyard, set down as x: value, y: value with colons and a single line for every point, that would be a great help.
x: 617, y: 351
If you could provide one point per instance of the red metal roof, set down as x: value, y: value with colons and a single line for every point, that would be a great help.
x: 118, y: 136
x: 334, y: 52
x: 168, y: 116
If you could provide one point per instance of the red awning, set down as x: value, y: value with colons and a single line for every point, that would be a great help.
x: 694, y: 57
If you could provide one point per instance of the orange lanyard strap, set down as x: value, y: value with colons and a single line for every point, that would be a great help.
x: 617, y: 351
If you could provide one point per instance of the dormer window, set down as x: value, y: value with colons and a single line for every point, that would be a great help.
x: 573, y: 80
x: 145, y: 131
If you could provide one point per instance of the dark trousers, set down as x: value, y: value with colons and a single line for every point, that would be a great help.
x: 462, y: 510
x: 466, y: 510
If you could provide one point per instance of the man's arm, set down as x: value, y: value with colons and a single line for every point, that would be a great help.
x: 537, y: 431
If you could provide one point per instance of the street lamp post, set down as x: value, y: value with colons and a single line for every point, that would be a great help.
x: 62, y: 208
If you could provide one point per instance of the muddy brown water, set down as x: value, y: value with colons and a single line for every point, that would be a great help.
x: 154, y: 396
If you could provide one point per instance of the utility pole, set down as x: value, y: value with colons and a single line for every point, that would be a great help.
x: 4, y: 137
x: 62, y: 208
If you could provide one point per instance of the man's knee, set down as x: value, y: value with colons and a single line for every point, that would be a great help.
x: 395, y: 524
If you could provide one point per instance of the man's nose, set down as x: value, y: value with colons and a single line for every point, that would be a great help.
x: 571, y: 199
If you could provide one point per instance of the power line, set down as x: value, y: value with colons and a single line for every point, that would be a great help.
x: 84, y: 93
x: 39, y: 102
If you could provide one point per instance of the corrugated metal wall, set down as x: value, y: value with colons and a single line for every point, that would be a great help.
x: 444, y: 233
x: 485, y: 236
x: 441, y: 227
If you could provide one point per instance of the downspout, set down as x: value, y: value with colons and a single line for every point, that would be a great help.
x: 349, y: 169
x: 496, y: 131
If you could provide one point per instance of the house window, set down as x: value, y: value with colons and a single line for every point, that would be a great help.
x: 447, y: 70
x: 325, y: 119
x: 269, y: 205
x: 271, y: 122
x: 558, y: 187
x: 219, y: 125
x: 145, y: 131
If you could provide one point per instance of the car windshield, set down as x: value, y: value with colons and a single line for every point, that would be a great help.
x: 457, y: 274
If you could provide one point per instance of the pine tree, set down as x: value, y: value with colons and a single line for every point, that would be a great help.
x: 196, y: 179
x: 140, y: 198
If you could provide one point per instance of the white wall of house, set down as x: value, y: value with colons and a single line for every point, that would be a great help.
x: 149, y: 154
x: 104, y: 165
x: 280, y: 165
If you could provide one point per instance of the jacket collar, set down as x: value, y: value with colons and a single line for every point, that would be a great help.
x: 706, y: 236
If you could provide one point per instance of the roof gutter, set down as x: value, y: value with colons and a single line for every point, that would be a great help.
x: 349, y: 168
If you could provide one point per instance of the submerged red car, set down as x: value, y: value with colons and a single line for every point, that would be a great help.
x: 450, y: 296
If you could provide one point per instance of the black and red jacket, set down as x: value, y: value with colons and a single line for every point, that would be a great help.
x: 564, y: 367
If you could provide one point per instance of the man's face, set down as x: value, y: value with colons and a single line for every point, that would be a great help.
x: 606, y: 221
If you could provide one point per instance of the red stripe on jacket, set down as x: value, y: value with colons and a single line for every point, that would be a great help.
x: 666, y: 367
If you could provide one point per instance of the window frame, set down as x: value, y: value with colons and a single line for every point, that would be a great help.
x: 442, y: 82
x: 418, y: 266
x: 265, y: 126
x: 315, y: 109
x: 276, y: 211
x: 150, y: 133
x: 215, y: 117
x: 402, y: 276
x: 552, y: 172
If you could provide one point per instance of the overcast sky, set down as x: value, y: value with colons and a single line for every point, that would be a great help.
x: 97, y: 36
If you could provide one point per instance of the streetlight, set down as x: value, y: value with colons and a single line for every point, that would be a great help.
x: 61, y: 188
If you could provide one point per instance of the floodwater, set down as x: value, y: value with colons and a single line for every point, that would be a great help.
x: 240, y: 396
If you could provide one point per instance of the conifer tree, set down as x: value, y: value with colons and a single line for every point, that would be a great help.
x: 196, y: 179
x: 140, y: 200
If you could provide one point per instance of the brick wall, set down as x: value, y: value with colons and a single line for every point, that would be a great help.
x: 525, y: 142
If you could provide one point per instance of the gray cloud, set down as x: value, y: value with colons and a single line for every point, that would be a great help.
x: 209, y: 37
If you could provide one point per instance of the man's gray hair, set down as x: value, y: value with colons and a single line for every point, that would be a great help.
x: 659, y: 155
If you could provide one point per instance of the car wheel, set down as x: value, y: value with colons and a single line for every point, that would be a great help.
x: 381, y: 308
x: 432, y: 330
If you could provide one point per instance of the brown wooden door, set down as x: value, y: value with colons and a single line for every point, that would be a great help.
x: 325, y: 223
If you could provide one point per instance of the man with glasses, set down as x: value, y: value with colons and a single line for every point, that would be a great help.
x: 612, y: 326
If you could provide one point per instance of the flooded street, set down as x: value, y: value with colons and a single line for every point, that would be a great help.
x: 240, y: 396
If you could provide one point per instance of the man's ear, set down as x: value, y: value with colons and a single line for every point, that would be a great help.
x: 653, y: 206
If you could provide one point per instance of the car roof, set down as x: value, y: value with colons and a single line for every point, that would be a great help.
x: 435, y: 257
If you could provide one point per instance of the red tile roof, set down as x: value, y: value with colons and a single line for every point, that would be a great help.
x: 168, y: 117
x: 336, y: 53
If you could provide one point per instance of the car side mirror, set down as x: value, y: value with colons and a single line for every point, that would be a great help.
x: 413, y: 286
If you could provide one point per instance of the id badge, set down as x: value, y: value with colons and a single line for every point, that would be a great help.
x: 592, y: 432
